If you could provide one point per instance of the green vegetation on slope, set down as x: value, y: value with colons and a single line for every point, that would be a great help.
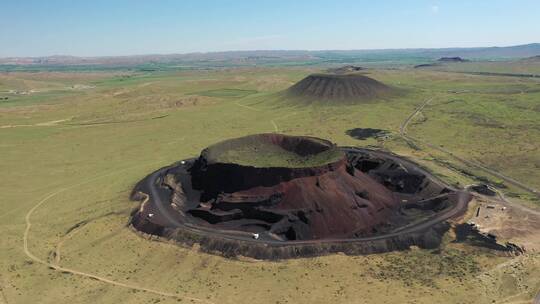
x: 259, y: 152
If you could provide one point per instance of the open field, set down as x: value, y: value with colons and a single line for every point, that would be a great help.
x: 74, y: 144
x: 518, y: 67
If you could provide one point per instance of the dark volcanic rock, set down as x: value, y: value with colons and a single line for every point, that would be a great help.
x: 452, y: 59
x: 315, y: 202
x: 440, y: 62
x: 483, y: 189
x: 365, y: 133
x: 466, y: 233
x: 275, y: 196
x: 426, y: 65
x: 339, y: 87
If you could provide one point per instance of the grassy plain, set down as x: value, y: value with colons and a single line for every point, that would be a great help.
x: 529, y: 66
x: 79, y: 152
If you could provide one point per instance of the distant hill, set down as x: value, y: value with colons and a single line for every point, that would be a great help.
x: 441, y: 61
x: 345, y: 69
x: 338, y: 87
x: 478, y: 53
x: 242, y: 58
x: 426, y: 65
x: 452, y: 59
x: 518, y: 51
x: 532, y: 59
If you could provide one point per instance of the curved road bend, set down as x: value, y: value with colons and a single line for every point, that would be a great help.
x: 161, y: 200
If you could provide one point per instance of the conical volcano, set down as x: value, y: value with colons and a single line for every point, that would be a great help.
x: 339, y: 87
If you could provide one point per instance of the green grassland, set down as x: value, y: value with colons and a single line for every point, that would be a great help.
x: 76, y: 154
x: 262, y: 154
x: 226, y: 93
x: 516, y: 67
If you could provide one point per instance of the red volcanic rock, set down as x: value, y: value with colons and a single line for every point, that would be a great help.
x: 262, y: 160
x: 328, y: 199
x: 333, y: 204
x: 273, y: 196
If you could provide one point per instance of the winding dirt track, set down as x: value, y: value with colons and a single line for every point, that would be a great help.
x: 403, y: 133
x: 57, y: 267
x: 57, y: 251
x: 40, y: 124
x: 276, y: 128
x: 405, y: 123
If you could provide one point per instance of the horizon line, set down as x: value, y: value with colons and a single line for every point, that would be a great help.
x: 271, y: 50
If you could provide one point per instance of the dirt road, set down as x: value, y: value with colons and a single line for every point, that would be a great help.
x: 56, y: 267
x: 509, y: 180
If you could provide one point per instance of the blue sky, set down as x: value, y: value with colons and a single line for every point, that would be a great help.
x: 121, y: 27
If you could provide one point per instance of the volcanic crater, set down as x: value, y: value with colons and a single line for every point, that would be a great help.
x: 276, y: 196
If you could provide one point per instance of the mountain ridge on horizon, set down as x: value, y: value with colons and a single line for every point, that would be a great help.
x: 491, y: 52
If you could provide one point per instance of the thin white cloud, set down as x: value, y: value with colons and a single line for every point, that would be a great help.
x: 435, y: 9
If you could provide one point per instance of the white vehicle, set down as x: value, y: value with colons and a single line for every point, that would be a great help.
x: 256, y: 236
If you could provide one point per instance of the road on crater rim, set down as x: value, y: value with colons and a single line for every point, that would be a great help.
x: 152, y: 183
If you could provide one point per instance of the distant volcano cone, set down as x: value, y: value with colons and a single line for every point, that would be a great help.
x: 338, y: 87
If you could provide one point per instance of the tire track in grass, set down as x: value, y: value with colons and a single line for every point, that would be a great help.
x: 275, y: 126
x: 3, y: 298
x: 272, y: 121
x: 72, y: 271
